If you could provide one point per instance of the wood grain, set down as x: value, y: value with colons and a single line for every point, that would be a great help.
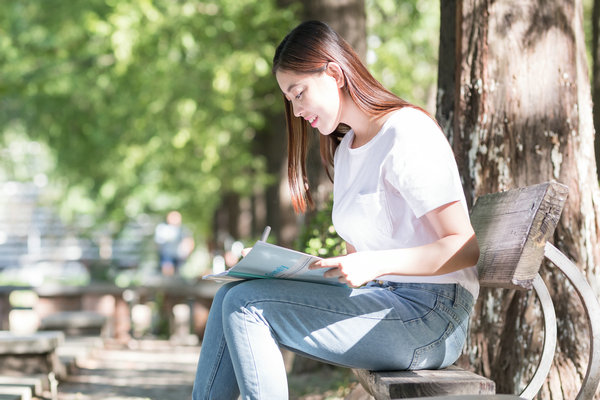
x: 512, y: 228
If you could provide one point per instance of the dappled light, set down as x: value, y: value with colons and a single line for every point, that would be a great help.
x: 116, y: 114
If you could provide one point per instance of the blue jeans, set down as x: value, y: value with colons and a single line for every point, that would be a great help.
x: 388, y: 326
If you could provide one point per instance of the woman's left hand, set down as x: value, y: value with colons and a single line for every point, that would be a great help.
x: 353, y: 269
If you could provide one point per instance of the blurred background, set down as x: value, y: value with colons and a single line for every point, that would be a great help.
x: 115, y: 112
x: 143, y: 145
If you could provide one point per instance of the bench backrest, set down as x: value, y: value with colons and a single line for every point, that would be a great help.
x: 512, y: 228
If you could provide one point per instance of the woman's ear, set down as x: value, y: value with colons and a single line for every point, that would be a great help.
x: 334, y: 70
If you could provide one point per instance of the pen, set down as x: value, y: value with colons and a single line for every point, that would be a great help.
x: 265, y: 234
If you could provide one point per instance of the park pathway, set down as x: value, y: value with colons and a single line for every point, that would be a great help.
x: 143, y: 370
x: 160, y: 370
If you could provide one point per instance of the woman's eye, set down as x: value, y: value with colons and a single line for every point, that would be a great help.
x: 299, y: 95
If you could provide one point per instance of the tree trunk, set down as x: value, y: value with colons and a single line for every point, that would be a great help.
x: 276, y: 208
x: 517, y: 109
x: 596, y: 74
x: 346, y: 17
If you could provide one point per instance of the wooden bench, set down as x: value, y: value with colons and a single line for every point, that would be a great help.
x: 513, y: 229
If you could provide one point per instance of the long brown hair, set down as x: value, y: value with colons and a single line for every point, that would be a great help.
x: 307, y: 49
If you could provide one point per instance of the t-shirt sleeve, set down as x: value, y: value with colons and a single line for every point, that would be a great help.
x: 421, y: 166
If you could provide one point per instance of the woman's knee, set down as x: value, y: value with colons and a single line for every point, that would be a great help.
x: 246, y: 300
x: 216, y: 308
x: 235, y: 295
x: 223, y: 290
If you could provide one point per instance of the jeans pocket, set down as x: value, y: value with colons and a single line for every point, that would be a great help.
x: 441, y: 352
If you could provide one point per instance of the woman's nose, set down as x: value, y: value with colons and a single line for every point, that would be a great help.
x: 297, y: 110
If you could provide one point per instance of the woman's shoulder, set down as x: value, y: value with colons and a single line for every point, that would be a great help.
x: 411, y: 116
x: 412, y: 124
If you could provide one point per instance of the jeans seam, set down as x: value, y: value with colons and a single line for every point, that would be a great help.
x: 436, y: 343
x: 465, y: 308
x: 455, y: 297
x: 436, y: 293
x: 429, y: 312
x: 247, y: 336
x: 450, y: 312
x: 466, y: 303
x: 454, y: 321
x: 303, y: 305
x: 216, y: 368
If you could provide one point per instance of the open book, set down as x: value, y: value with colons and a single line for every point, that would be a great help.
x: 267, y: 260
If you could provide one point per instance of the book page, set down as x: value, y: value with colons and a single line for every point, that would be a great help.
x: 267, y: 260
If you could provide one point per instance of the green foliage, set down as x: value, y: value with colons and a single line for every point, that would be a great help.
x: 146, y: 105
x: 140, y: 106
x: 326, y: 382
x: 402, y: 40
x: 319, y: 237
x: 588, y: 6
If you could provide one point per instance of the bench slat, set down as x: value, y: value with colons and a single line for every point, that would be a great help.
x: 406, y: 384
x: 512, y: 228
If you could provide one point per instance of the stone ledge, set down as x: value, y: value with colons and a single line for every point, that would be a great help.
x: 36, y: 343
x: 73, y: 319
x: 10, y: 397
x: 35, y: 384
x: 21, y: 392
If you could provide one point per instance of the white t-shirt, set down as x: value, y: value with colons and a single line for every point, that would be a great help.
x: 383, y: 189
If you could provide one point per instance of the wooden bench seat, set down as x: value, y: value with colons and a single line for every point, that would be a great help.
x: 425, y: 382
x: 513, y: 229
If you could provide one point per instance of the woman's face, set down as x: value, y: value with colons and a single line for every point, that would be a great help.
x: 316, y: 97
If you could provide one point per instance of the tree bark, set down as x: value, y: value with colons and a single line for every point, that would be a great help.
x: 517, y: 110
x: 346, y: 17
x: 596, y: 74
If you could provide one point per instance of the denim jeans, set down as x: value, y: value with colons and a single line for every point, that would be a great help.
x: 381, y: 326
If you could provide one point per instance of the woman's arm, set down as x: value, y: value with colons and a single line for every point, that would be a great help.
x: 455, y: 249
x: 350, y: 249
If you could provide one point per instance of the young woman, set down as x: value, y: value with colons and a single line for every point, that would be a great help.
x: 399, y: 205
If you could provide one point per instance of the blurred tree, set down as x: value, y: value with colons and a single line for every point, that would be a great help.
x: 147, y: 105
x: 402, y: 42
x: 520, y: 113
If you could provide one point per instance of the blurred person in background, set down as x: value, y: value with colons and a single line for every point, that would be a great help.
x: 174, y: 242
